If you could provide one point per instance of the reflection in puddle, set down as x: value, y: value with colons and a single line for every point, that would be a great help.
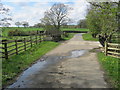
x: 27, y: 73
x: 45, y: 62
x: 77, y: 53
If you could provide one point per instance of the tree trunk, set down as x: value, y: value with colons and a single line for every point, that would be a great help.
x: 102, y: 40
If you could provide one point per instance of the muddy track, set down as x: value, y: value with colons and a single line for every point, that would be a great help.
x: 70, y: 65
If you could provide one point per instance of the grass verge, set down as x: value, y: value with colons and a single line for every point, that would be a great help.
x: 110, y: 65
x: 88, y: 37
x: 16, y: 64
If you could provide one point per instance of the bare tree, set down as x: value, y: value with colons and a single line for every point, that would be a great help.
x: 4, y: 16
x: 17, y: 24
x: 56, y: 16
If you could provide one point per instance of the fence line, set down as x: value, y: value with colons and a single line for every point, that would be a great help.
x: 14, y: 47
x: 112, y: 49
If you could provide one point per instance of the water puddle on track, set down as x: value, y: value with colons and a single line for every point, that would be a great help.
x: 77, y: 53
x: 44, y: 62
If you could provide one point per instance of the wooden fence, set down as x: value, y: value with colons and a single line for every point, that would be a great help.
x: 112, y: 49
x: 14, y: 47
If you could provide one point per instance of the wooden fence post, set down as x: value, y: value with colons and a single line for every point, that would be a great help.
x: 6, y: 52
x: 43, y: 36
x: 36, y: 39
x: 106, y: 48
x: 39, y: 37
x: 25, y: 44
x: 31, y: 40
x: 37, y: 32
x: 16, y: 47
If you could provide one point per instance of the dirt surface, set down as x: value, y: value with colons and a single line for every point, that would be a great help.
x: 70, y: 65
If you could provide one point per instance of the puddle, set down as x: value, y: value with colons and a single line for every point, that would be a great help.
x: 30, y: 71
x: 77, y: 53
x: 44, y: 62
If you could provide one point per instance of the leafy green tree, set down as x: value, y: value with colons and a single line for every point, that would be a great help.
x: 102, y: 20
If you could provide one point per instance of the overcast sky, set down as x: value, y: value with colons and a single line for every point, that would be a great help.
x: 33, y: 10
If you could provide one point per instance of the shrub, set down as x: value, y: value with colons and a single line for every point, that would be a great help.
x: 65, y: 34
x: 17, y: 33
x: 33, y: 32
x: 53, y: 32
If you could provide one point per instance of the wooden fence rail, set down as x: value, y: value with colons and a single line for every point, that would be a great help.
x: 112, y: 49
x: 14, y: 47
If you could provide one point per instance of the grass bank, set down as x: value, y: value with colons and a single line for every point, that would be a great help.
x: 18, y: 63
x: 110, y: 65
x: 88, y: 37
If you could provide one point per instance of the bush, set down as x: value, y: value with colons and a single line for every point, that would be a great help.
x: 33, y: 32
x: 53, y: 32
x: 65, y: 34
x: 17, y: 33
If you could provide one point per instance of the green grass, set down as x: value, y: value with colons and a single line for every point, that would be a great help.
x: 18, y: 63
x: 75, y: 29
x: 19, y: 44
x: 88, y: 37
x: 6, y: 30
x: 69, y: 36
x: 110, y: 65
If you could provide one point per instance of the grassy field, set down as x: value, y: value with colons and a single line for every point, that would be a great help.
x: 88, y: 37
x: 18, y: 63
x: 6, y: 30
x: 110, y: 65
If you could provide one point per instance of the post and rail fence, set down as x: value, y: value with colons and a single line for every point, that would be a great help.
x: 9, y: 48
x: 112, y: 49
x: 12, y: 47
